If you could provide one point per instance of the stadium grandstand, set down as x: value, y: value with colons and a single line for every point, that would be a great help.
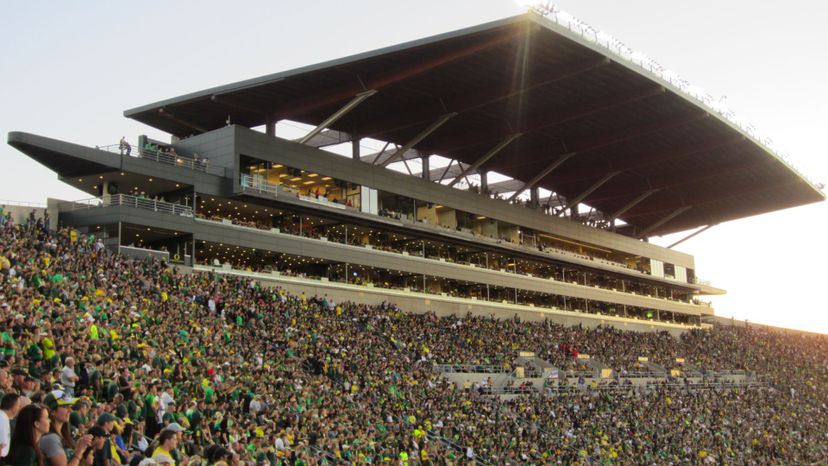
x: 233, y: 297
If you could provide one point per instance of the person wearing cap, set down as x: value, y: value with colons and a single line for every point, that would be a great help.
x: 80, y: 414
x: 58, y: 445
x: 9, y: 407
x: 99, y: 437
x: 167, y: 442
x: 19, y: 378
x: 106, y: 421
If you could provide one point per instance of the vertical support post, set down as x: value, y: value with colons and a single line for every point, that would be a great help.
x: 355, y: 148
x: 426, y: 173
x: 534, y: 197
x: 270, y: 126
x: 484, y: 182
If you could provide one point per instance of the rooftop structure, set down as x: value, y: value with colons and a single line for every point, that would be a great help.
x: 608, y: 154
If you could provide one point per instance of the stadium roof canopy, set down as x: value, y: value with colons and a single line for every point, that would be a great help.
x: 525, y: 97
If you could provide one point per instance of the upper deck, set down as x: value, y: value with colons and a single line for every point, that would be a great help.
x: 532, y: 100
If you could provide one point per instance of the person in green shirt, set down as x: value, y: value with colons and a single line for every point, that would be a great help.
x: 8, y: 343
x: 80, y: 414
x: 34, y: 351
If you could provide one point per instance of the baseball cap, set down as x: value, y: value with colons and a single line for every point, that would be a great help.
x: 104, y: 418
x: 175, y: 427
x: 97, y: 431
x: 57, y: 398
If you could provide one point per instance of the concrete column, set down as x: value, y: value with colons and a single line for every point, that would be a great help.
x: 270, y: 126
x: 426, y: 167
x: 484, y: 182
x: 534, y: 196
x: 355, y: 148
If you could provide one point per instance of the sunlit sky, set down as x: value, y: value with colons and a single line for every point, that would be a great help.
x: 71, y: 68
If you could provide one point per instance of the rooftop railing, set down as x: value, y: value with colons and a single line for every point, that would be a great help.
x: 157, y: 155
x: 5, y: 202
x: 653, y: 69
x: 125, y: 200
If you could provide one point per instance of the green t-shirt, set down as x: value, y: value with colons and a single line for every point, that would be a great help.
x: 34, y: 352
x: 76, y: 420
x: 7, y: 339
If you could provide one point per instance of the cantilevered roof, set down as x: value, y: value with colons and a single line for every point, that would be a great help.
x: 590, y: 126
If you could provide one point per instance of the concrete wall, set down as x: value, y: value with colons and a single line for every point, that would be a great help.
x: 446, y: 305
x: 216, y: 146
x: 20, y: 213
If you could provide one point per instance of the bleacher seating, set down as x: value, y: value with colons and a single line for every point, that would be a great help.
x: 262, y: 376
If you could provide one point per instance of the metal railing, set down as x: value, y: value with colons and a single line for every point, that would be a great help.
x: 258, y: 184
x: 157, y: 155
x: 5, y: 202
x: 472, y: 368
x: 688, y: 387
x: 124, y: 200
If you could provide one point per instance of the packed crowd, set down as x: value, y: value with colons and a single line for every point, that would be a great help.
x: 109, y: 361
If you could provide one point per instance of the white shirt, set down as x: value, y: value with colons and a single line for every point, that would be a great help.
x: 5, y: 433
x: 166, y: 399
x: 67, y: 377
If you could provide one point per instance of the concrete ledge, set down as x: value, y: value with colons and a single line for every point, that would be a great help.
x: 416, y: 302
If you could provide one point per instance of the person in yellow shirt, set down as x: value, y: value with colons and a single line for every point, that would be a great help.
x: 167, y: 442
x: 49, y: 349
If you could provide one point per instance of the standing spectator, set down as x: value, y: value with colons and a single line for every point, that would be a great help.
x: 68, y: 377
x: 124, y: 146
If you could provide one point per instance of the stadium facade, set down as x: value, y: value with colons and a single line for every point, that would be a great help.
x: 597, y: 156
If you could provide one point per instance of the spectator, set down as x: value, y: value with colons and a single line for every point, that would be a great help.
x: 32, y: 423
x: 9, y: 407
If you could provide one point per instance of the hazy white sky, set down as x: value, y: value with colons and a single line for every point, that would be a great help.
x: 71, y: 68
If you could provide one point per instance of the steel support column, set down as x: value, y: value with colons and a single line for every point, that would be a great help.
x: 358, y: 99
x: 580, y: 197
x: 418, y: 138
x: 355, y: 148
x: 632, y: 204
x: 557, y: 163
x: 270, y: 126
x: 697, y: 232
x: 664, y: 220
x: 426, y: 171
x: 488, y: 155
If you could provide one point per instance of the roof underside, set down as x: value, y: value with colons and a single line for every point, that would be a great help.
x: 525, y: 75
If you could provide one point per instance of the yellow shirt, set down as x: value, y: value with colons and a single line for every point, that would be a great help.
x: 163, y: 456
